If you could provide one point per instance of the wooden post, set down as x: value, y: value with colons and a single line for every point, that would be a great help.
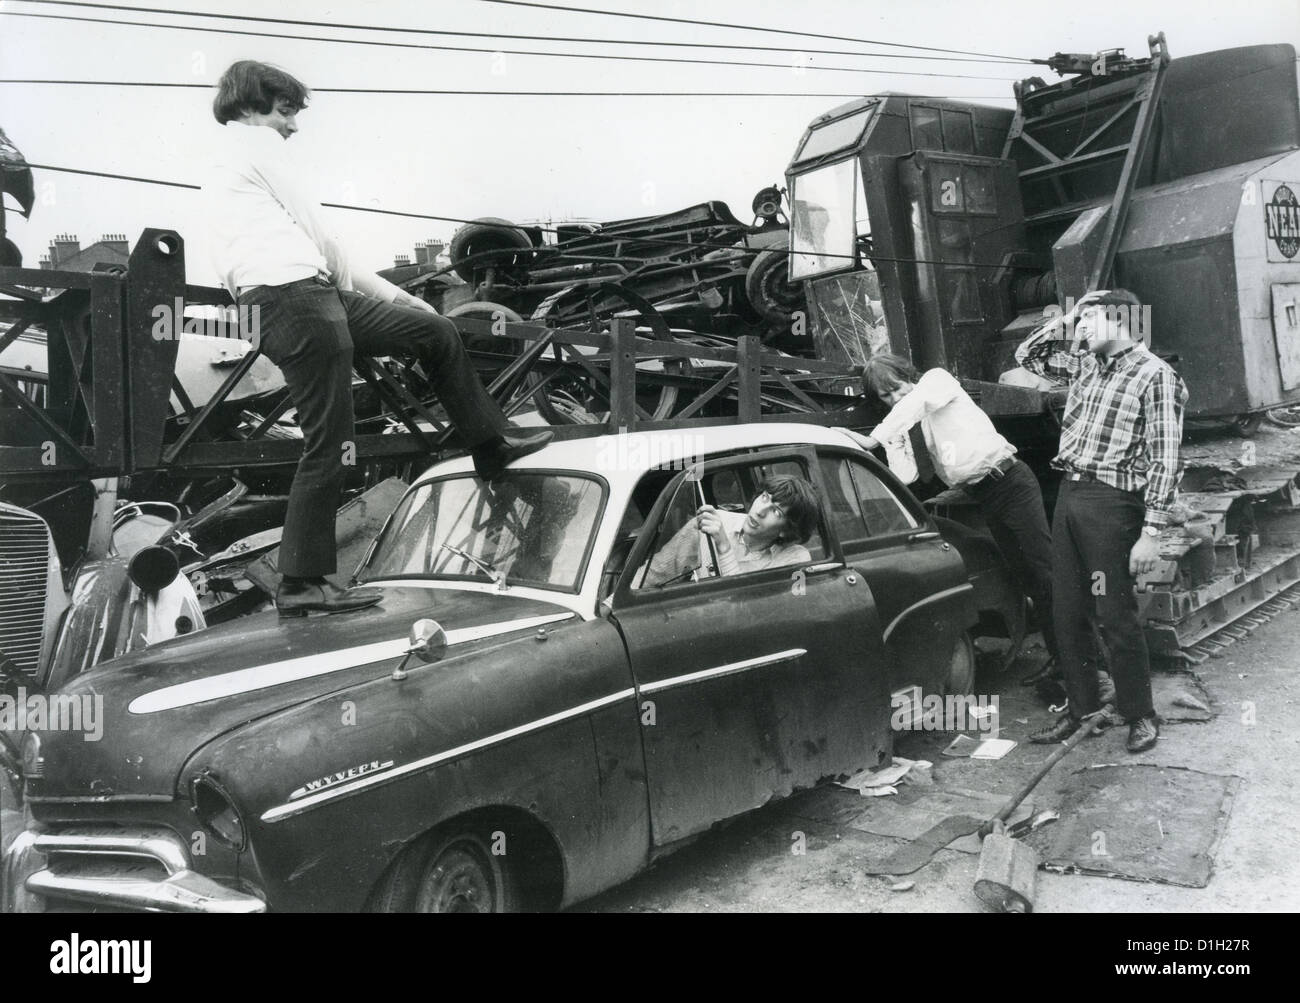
x: 622, y: 375
x: 748, y: 378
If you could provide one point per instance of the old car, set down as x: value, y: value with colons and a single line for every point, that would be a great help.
x: 564, y: 726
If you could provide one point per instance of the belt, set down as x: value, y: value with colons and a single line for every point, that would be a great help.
x: 998, y: 472
x: 315, y: 280
x: 1074, y: 475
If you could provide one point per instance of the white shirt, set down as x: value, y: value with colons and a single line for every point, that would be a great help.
x: 689, y: 550
x: 263, y: 226
x: 962, y: 441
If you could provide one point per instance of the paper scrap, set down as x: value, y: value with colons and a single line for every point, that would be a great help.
x: 992, y: 748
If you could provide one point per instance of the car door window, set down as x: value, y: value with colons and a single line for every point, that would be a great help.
x: 840, y: 501
x: 680, y: 553
x: 858, y: 503
x: 881, y: 509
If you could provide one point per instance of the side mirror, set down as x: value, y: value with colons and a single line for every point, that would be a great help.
x: 428, y: 640
x: 428, y: 643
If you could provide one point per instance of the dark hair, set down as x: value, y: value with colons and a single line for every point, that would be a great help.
x: 250, y: 86
x: 1118, y: 305
x: 799, y: 500
x: 883, y: 372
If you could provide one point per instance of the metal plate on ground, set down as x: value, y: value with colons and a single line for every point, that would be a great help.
x: 906, y: 818
x: 1142, y: 822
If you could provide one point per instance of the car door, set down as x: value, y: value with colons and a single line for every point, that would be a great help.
x: 753, y: 685
x: 923, y: 596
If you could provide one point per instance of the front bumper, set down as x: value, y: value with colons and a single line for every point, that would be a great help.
x: 142, y: 868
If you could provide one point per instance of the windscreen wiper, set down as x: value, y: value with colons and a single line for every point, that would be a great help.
x: 484, y: 566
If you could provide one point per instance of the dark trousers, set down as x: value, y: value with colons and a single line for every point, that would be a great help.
x: 1012, y: 507
x: 311, y: 331
x: 1093, y: 530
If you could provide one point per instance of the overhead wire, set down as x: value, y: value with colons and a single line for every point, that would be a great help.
x: 191, y: 85
x: 652, y: 241
x: 483, y: 34
x: 742, y: 27
x: 799, y: 67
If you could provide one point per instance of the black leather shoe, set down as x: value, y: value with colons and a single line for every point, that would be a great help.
x: 1064, y: 727
x: 316, y: 595
x: 1048, y: 670
x: 1142, y: 734
x: 491, y: 459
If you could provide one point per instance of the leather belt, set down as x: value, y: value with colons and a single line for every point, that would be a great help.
x: 996, y: 474
x: 1074, y: 475
x: 317, y: 279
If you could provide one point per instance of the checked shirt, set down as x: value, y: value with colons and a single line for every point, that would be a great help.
x: 1123, y: 421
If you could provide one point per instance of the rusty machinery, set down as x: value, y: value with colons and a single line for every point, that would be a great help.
x: 945, y: 231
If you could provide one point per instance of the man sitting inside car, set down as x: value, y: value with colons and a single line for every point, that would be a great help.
x: 779, y: 522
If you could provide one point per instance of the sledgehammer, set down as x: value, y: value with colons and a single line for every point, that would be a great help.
x: 1008, y: 868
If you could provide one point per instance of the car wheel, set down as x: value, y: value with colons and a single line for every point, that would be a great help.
x: 960, y: 678
x: 486, y: 310
x: 490, y: 233
x: 455, y: 872
x: 769, y: 289
x: 461, y: 874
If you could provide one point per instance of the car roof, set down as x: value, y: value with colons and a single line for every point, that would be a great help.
x: 637, y: 452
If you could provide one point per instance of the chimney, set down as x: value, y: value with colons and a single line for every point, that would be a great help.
x: 46, y: 262
x: 401, y: 261
x: 422, y: 256
x: 118, y: 242
x: 64, y: 246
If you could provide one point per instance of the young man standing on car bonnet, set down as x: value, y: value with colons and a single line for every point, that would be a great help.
x: 273, y: 251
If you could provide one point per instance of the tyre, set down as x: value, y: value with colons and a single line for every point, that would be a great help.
x: 960, y: 678
x: 1285, y: 417
x: 490, y: 233
x: 449, y: 872
x: 769, y: 289
x: 484, y: 310
x: 1246, y: 425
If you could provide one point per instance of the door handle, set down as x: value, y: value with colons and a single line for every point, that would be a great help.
x: 812, y: 569
x: 923, y: 536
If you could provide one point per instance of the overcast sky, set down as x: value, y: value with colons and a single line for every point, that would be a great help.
x: 523, y: 158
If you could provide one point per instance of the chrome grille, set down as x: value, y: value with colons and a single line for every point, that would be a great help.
x: 24, y: 570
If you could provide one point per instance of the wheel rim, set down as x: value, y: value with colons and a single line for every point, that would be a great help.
x: 460, y: 880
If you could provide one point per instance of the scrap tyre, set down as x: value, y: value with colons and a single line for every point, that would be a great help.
x: 960, y: 677
x: 449, y: 872
x: 769, y: 289
x: 489, y: 233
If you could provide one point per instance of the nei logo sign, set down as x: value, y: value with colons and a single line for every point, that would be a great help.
x: 1282, y: 221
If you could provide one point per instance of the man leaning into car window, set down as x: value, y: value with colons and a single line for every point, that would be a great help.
x: 772, y: 533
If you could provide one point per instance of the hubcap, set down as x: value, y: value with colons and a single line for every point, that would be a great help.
x: 458, y: 882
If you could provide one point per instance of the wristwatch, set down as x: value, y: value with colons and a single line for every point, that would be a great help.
x: 1150, y: 530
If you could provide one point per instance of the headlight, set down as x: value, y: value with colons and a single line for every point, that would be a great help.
x: 33, y: 761
x: 217, y: 812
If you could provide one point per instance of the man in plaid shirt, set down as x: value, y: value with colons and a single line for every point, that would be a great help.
x: 1119, y: 454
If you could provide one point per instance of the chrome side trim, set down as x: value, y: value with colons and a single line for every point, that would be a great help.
x: 291, y: 670
x: 302, y: 804
x: 724, y: 670
x: 937, y: 597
